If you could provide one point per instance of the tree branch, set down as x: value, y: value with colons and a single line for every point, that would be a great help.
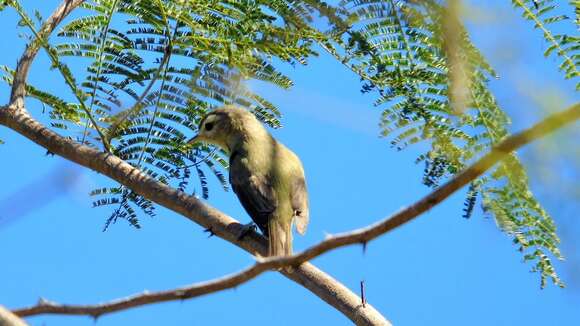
x: 362, y: 235
x: 19, y: 83
x: 7, y: 318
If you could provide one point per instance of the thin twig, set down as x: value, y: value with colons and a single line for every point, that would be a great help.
x: 119, y: 118
x: 42, y: 39
x: 19, y: 83
x: 122, y: 116
x: 100, y: 66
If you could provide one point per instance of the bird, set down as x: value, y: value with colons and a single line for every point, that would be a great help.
x: 267, y: 177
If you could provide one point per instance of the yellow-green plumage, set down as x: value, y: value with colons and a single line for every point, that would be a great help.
x: 266, y: 176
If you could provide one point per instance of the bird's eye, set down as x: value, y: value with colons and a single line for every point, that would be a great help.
x: 209, y: 126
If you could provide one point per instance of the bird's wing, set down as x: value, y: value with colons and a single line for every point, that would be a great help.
x: 300, y: 205
x: 255, y: 193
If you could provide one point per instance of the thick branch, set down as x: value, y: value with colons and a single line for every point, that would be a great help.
x: 7, y: 318
x: 362, y: 235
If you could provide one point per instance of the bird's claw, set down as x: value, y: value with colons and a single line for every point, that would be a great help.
x: 245, y: 229
x: 210, y: 231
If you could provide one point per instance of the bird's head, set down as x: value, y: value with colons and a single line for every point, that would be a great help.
x: 226, y: 127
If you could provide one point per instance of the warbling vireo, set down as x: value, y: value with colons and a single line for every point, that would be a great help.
x: 266, y: 176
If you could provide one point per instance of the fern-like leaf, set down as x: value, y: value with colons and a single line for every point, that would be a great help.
x: 398, y: 49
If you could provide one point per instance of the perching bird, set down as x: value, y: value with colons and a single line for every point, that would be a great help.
x: 267, y: 177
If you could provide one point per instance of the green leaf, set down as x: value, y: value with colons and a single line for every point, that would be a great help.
x: 398, y: 49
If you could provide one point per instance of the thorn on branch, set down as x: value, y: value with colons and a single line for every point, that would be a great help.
x: 43, y: 302
x: 362, y: 294
x: 364, y: 247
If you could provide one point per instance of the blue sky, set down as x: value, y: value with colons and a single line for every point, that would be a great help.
x: 440, y: 269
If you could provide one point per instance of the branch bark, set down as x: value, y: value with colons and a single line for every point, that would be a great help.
x: 361, y: 236
x: 7, y: 318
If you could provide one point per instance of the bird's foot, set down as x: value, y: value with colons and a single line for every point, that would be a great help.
x: 246, y: 229
x: 210, y: 231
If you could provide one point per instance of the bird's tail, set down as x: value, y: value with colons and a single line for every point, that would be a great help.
x: 280, y: 234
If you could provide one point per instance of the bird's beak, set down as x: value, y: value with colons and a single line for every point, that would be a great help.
x: 194, y: 140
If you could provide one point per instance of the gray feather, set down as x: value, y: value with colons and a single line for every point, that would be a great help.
x: 254, y: 192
